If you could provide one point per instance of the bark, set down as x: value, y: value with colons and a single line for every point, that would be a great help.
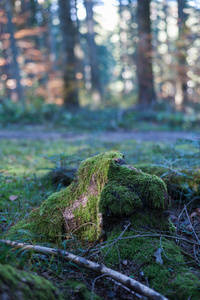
x: 123, y: 46
x: 52, y: 40
x: 6, y: 68
x: 132, y: 284
x: 181, y: 85
x: 78, y: 48
x: 147, y: 95
x: 16, y: 69
x: 93, y: 57
x: 69, y: 59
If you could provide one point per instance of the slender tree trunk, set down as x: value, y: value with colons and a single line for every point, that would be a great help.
x: 147, y: 96
x: 93, y: 57
x: 15, y: 69
x: 5, y: 69
x: 181, y: 85
x: 123, y: 46
x: 78, y: 48
x: 53, y: 55
x: 69, y: 59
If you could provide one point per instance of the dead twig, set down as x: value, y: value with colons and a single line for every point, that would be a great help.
x: 100, y: 268
x: 191, y: 224
x: 115, y: 241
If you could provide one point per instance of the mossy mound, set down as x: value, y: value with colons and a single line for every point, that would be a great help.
x: 20, y: 285
x: 174, y: 278
x: 78, y: 290
x: 181, y: 183
x: 105, y: 190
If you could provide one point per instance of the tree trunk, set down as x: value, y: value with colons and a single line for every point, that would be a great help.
x: 147, y: 96
x: 69, y: 59
x: 15, y: 69
x: 93, y: 57
x: 181, y: 92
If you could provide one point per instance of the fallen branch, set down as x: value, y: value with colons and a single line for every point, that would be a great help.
x: 119, y: 277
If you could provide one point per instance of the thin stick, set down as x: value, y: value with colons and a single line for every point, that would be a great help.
x: 115, y: 241
x: 191, y: 224
x: 100, y: 268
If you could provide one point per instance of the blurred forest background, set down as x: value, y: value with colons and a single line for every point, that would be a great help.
x: 124, y: 55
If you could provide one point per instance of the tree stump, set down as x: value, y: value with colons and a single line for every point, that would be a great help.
x: 105, y: 193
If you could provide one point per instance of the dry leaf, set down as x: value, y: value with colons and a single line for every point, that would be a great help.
x: 173, y: 217
x: 194, y: 214
x: 157, y: 254
x: 189, y: 227
x: 13, y: 197
x: 198, y: 210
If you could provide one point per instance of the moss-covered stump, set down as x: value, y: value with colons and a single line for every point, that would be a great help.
x: 20, y: 285
x: 105, y: 192
x: 169, y: 275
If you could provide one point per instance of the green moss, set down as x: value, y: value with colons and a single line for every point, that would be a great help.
x: 22, y: 285
x: 181, y: 183
x: 153, y: 220
x: 145, y: 190
x: 186, y: 285
x: 120, y: 200
x: 98, y: 167
x: 81, y: 291
x: 108, y: 186
x: 46, y: 223
x: 172, y: 279
x: 89, y: 219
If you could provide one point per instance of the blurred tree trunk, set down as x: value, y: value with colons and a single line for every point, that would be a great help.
x: 93, y: 56
x: 68, y: 31
x: 78, y: 48
x: 147, y: 96
x: 5, y: 68
x: 123, y: 46
x: 13, y: 47
x: 181, y: 84
x: 52, y: 30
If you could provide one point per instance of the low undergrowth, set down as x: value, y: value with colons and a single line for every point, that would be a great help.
x: 103, y: 118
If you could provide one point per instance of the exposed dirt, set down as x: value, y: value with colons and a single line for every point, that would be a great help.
x: 37, y: 133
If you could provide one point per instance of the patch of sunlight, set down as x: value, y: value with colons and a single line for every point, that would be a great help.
x: 162, y: 36
x: 118, y: 86
x: 163, y: 48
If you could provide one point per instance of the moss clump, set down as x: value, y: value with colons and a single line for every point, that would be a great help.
x: 185, y: 285
x: 102, y: 187
x: 120, y: 200
x: 172, y: 279
x: 47, y: 224
x: 181, y: 183
x: 150, y: 189
x: 80, y: 291
x: 16, y: 284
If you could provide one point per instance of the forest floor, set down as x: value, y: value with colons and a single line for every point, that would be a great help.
x: 39, y: 133
x: 28, y: 153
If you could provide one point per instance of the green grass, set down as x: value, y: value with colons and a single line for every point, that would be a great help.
x: 24, y: 164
